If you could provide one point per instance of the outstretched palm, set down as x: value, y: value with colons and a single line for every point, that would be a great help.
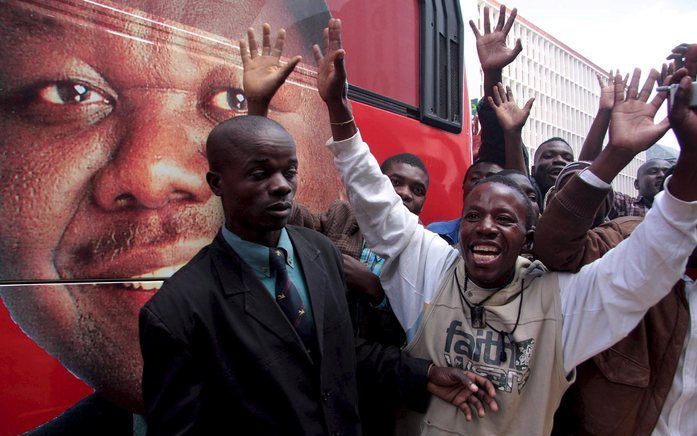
x: 607, y: 92
x: 509, y: 115
x: 492, y: 50
x: 331, y: 74
x: 264, y: 74
x: 631, y: 126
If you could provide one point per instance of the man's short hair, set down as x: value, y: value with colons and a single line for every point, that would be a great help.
x: 503, y: 180
x: 474, y: 165
x: 227, y: 137
x: 405, y: 158
x: 538, y: 193
x: 642, y: 167
x: 553, y: 139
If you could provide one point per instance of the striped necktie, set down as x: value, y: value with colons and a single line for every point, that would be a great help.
x: 288, y: 299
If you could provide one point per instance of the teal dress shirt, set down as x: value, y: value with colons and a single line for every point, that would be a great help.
x: 257, y: 257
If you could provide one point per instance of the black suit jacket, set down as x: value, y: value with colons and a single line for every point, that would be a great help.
x: 221, y: 358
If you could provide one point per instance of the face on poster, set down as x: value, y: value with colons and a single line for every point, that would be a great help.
x: 104, y: 112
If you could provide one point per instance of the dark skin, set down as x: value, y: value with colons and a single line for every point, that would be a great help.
x: 596, y: 134
x: 527, y: 188
x: 359, y: 278
x: 511, y: 119
x: 256, y: 183
x: 492, y: 50
x: 632, y: 130
x: 263, y: 75
x: 264, y: 72
x: 410, y: 183
x: 683, y: 121
x: 476, y: 173
x: 494, y: 55
x: 493, y: 233
x: 464, y: 389
x: 550, y: 158
x: 650, y: 178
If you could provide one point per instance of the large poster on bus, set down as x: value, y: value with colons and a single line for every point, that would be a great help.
x: 104, y: 111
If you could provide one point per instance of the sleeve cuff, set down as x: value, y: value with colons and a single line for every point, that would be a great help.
x: 345, y: 143
x: 675, y: 210
x: 593, y: 180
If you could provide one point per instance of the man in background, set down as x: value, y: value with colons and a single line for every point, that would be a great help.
x: 649, y: 182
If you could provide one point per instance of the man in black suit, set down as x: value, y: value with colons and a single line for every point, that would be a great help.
x: 254, y: 334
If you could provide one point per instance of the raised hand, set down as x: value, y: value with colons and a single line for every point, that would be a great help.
x: 607, y: 92
x: 463, y: 389
x: 685, y: 55
x: 593, y: 144
x: 331, y: 74
x: 632, y: 128
x: 493, y: 52
x: 264, y: 74
x: 332, y: 84
x: 683, y: 119
x: 510, y: 116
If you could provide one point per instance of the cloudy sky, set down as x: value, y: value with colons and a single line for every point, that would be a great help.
x: 617, y: 33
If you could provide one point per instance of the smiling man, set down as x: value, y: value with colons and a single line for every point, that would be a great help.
x: 495, y: 313
x: 450, y: 230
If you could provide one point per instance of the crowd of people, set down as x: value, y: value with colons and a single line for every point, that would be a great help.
x: 550, y: 306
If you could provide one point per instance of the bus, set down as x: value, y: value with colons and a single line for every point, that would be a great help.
x: 105, y: 106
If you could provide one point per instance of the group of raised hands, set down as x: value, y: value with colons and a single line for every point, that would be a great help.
x: 624, y: 107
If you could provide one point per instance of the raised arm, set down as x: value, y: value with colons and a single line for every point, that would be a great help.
x: 683, y: 120
x: 332, y: 84
x: 596, y: 134
x: 563, y: 238
x: 511, y: 119
x: 387, y: 225
x: 494, y: 55
x: 631, y: 126
x: 492, y: 50
x: 604, y: 301
x: 264, y: 73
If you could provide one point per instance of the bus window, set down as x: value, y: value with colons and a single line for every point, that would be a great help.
x: 406, y: 57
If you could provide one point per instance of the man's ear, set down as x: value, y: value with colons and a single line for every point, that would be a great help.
x: 214, y: 182
x: 529, y: 240
x: 636, y: 183
x: 532, y: 171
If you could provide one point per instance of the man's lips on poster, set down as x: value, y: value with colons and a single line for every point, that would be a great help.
x: 153, y: 249
x: 153, y: 285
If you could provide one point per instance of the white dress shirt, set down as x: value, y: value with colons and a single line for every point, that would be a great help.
x: 679, y: 413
